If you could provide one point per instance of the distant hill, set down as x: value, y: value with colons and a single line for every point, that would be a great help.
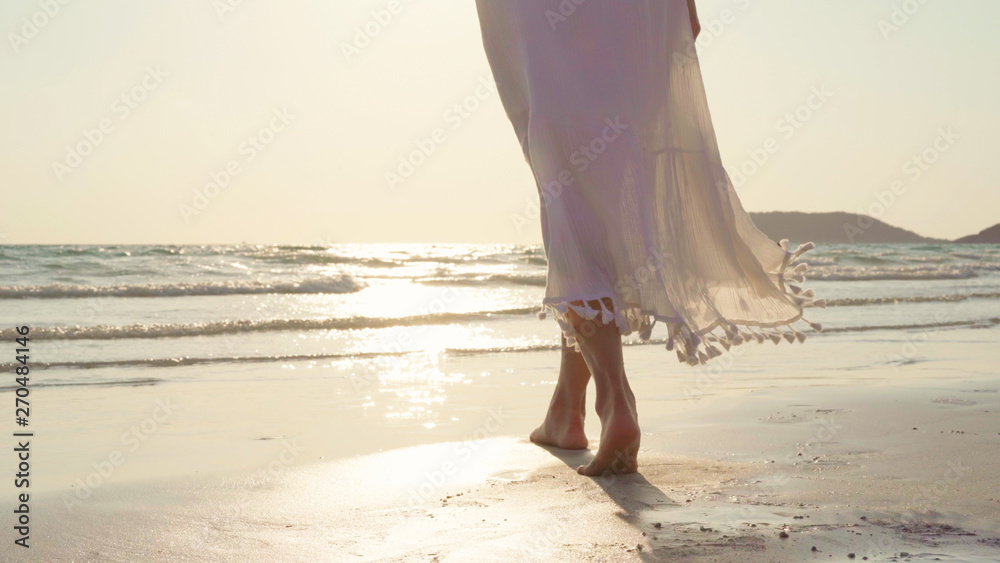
x: 990, y: 235
x: 833, y: 228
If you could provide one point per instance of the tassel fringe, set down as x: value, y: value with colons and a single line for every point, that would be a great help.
x: 690, y: 347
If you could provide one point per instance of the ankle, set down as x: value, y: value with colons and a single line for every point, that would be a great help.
x: 614, y: 404
x: 565, y: 410
x: 567, y: 398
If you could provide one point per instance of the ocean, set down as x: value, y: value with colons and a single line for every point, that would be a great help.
x: 140, y: 315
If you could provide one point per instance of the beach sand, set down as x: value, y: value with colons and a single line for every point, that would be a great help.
x: 777, y: 454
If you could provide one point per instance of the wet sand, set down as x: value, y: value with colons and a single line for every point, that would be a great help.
x: 773, y: 457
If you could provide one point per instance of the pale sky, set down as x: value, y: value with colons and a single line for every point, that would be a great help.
x: 329, y: 122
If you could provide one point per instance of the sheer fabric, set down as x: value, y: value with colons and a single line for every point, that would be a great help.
x: 607, y: 100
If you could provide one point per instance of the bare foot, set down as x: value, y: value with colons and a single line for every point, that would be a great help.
x: 562, y: 428
x: 619, y: 448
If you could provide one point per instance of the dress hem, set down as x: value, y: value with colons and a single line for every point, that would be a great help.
x: 693, y: 347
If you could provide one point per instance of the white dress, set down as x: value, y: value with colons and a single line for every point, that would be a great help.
x: 607, y: 100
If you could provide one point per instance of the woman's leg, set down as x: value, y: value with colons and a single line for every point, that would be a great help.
x: 601, y: 347
x: 563, y: 425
